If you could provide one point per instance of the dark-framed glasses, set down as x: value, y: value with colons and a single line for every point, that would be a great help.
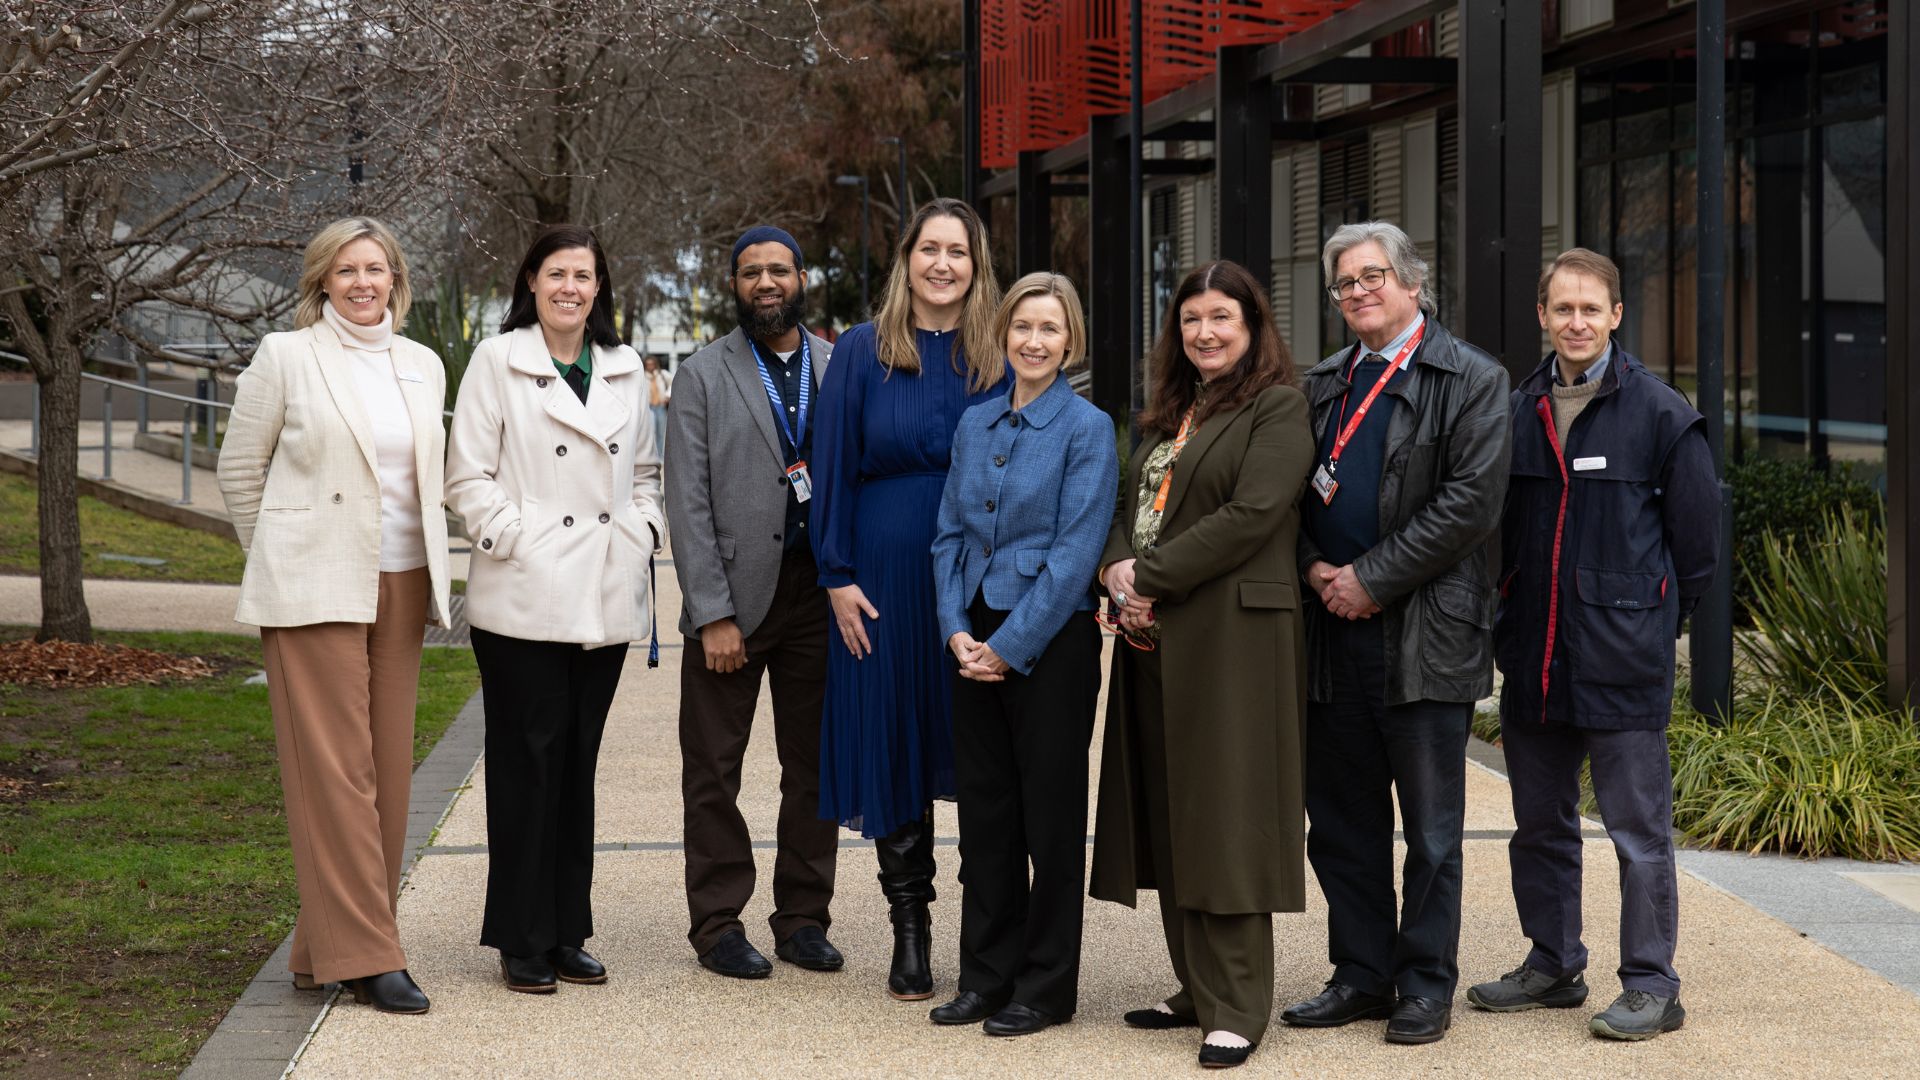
x: 1369, y: 280
x: 776, y: 271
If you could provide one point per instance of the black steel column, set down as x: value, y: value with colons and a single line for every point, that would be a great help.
x: 1108, y: 279
x: 1712, y: 632
x: 1136, y: 225
x: 1500, y: 140
x: 970, y: 107
x: 1243, y: 161
x: 1033, y: 215
x: 1903, y: 337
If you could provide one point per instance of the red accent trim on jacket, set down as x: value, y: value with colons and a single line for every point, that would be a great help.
x: 1545, y: 412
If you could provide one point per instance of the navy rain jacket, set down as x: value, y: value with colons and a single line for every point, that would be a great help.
x: 1609, y: 538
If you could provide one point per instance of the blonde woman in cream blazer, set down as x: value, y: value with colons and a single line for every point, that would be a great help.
x: 553, y: 466
x: 332, y: 471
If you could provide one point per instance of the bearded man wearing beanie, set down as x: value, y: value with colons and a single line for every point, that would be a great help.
x: 739, y: 481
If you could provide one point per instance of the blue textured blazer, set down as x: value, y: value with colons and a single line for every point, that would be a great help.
x: 1024, y: 516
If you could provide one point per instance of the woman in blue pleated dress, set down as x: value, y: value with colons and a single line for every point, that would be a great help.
x: 888, y: 408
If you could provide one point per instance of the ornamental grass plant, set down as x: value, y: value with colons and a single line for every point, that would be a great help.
x: 1814, y: 762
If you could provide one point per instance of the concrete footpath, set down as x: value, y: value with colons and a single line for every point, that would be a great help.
x: 1763, y: 998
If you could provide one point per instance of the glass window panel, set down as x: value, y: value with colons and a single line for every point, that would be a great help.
x: 1850, y: 89
x: 1684, y: 363
x: 1642, y: 249
x: 1853, y: 347
x: 1779, y: 264
x: 1596, y: 208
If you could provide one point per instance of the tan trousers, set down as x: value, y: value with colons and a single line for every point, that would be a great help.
x: 343, y: 698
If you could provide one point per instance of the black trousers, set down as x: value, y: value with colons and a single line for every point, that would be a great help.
x: 1020, y: 762
x: 1360, y: 753
x: 546, y: 705
x: 716, y: 715
x: 1633, y: 782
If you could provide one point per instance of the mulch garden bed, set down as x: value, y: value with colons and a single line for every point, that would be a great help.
x: 63, y: 665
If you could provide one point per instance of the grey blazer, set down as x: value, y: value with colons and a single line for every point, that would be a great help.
x: 726, y: 484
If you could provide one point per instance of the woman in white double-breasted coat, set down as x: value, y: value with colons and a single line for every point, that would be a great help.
x: 552, y: 464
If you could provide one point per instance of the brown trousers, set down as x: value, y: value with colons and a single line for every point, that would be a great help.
x: 716, y: 714
x: 343, y: 698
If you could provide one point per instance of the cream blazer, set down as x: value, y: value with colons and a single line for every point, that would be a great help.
x: 562, y: 499
x: 302, y: 484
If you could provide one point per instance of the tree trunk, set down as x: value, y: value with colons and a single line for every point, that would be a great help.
x: 63, y: 601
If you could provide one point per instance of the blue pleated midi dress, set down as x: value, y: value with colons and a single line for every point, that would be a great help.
x: 881, y: 450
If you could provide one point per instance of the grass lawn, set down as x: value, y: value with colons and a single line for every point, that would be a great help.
x: 191, y: 555
x: 144, y: 867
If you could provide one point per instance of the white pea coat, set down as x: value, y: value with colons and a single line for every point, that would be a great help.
x: 562, y: 499
x: 302, y: 484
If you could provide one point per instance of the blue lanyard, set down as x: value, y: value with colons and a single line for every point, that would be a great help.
x: 773, y: 395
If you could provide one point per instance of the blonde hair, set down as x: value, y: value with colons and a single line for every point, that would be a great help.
x: 325, y: 247
x: 984, y: 356
x: 1046, y: 283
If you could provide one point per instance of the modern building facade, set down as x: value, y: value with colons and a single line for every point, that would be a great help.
x: 1498, y: 134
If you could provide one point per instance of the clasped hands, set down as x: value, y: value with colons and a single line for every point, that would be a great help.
x: 1340, y: 590
x: 1136, y: 611
x: 977, y: 659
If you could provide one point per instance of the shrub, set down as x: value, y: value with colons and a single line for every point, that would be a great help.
x: 1820, y: 604
x: 1790, y: 498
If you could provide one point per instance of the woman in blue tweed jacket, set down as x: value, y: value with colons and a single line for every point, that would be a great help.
x: 1028, y: 502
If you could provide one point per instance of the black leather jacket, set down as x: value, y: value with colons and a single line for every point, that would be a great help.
x: 1449, y: 442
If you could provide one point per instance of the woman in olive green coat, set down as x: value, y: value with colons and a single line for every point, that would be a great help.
x: 1200, y: 784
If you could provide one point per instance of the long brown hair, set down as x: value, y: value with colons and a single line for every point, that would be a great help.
x: 983, y: 357
x: 1267, y: 361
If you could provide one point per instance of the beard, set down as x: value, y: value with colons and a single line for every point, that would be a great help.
x: 763, y: 324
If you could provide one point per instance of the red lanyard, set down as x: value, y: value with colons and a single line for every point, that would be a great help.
x: 1166, y: 478
x: 1347, y: 430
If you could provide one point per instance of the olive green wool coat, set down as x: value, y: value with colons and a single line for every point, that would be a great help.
x: 1232, y: 652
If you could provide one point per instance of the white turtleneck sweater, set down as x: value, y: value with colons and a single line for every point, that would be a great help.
x: 369, y: 349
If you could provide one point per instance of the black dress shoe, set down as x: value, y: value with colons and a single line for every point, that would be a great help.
x: 1336, y: 1005
x: 809, y: 948
x: 968, y: 1008
x: 527, y: 974
x: 1225, y: 1057
x: 391, y: 992
x: 1155, y: 1020
x: 736, y: 958
x: 572, y: 964
x: 1419, y: 1020
x: 1017, y: 1019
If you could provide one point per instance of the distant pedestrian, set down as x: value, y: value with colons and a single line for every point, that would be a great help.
x: 752, y: 606
x: 552, y: 465
x: 1200, y: 787
x: 331, y: 471
x: 1025, y: 513
x: 1396, y: 541
x: 888, y: 408
x: 1610, y: 536
x: 659, y: 395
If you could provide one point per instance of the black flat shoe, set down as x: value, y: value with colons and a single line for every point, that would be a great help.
x: 1419, y: 1020
x: 1225, y: 1057
x: 572, y: 964
x: 1336, y: 1005
x: 527, y: 974
x: 734, y: 957
x: 1017, y: 1019
x: 809, y: 948
x: 389, y: 992
x: 1155, y: 1020
x: 968, y: 1008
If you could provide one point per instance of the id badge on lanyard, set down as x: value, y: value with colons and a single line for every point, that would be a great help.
x: 802, y: 482
x: 797, y: 473
x: 1324, y: 483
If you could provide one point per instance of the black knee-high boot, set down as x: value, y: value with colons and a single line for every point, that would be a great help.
x: 906, y: 878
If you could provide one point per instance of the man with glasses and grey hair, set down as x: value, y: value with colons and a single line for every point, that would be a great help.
x: 1412, y: 443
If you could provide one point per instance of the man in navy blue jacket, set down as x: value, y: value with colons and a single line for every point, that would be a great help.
x: 1609, y: 538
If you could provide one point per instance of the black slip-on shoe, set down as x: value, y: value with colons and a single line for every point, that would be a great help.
x: 736, y: 958
x: 1419, y: 1020
x: 968, y: 1008
x: 1336, y: 1005
x: 527, y: 974
x: 573, y: 964
x: 1155, y: 1020
x: 389, y: 992
x: 809, y: 948
x: 1225, y: 1057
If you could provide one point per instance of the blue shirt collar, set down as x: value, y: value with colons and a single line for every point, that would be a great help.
x: 1041, y: 409
x: 1593, y: 374
x: 1400, y: 342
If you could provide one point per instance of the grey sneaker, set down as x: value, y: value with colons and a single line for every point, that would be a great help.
x: 1637, y: 1015
x: 1524, y: 988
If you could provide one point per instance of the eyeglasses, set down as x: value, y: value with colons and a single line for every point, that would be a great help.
x: 1369, y: 280
x: 1133, y: 637
x: 777, y: 271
